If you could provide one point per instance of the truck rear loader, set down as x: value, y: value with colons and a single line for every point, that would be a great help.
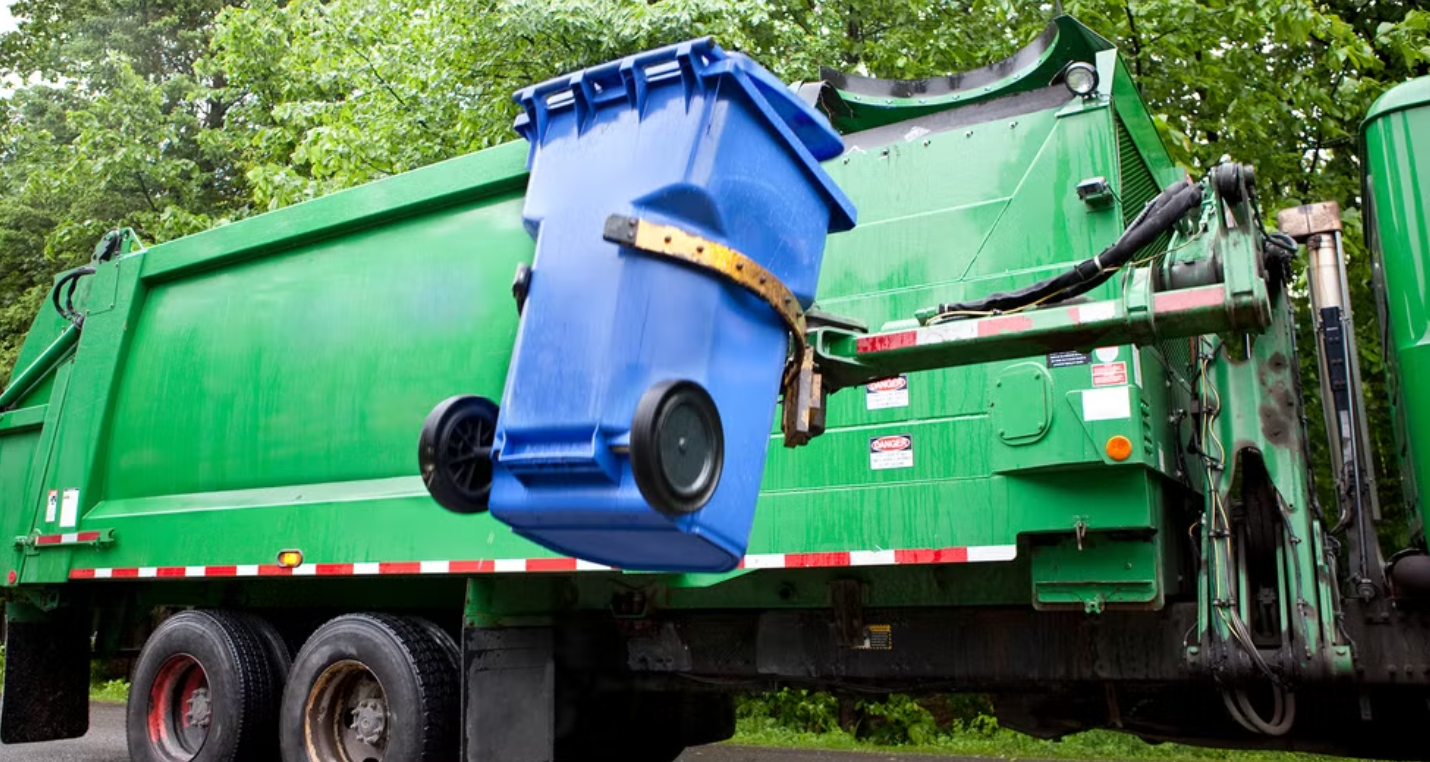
x: 1040, y: 434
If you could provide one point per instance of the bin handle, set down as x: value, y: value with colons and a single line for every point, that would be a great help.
x: 591, y: 87
x: 801, y: 383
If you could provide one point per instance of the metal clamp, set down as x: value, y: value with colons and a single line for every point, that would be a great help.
x: 802, y: 386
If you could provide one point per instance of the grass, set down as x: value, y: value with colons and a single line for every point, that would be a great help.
x: 111, y: 691
x: 1000, y: 743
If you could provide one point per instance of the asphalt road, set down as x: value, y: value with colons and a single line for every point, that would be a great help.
x: 105, y: 743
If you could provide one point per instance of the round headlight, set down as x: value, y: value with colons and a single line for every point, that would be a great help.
x: 1081, y: 78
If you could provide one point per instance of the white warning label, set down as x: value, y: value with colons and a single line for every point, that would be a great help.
x: 895, y: 451
x: 69, y: 508
x: 887, y: 393
x: 1108, y: 404
x: 52, y: 506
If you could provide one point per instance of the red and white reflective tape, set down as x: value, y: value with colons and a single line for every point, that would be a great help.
x: 975, y: 554
x: 941, y: 333
x: 69, y: 538
x: 1167, y: 302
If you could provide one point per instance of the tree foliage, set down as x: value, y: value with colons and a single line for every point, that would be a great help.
x: 172, y: 116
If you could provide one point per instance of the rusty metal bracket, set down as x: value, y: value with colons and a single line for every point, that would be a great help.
x: 1302, y: 222
x: 802, y: 387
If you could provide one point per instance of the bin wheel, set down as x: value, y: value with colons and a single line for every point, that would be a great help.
x: 455, y: 453
x: 677, y: 447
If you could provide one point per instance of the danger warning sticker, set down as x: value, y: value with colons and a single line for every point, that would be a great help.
x: 1109, y: 374
x: 895, y: 451
x: 887, y: 393
x: 52, y: 506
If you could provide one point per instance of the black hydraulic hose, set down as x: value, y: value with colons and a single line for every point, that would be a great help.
x: 71, y: 279
x: 1157, y: 217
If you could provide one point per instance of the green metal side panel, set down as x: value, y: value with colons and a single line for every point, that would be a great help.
x: 260, y: 386
x: 1397, y: 176
x: 948, y: 216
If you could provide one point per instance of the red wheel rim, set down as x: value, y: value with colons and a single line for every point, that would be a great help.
x: 180, y: 709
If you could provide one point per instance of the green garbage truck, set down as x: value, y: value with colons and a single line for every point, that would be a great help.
x: 1042, y: 435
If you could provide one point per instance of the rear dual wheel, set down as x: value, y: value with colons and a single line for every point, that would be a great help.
x: 209, y: 686
x: 372, y: 688
x: 206, y: 689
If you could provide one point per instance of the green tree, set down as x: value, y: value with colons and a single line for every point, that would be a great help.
x: 106, y: 129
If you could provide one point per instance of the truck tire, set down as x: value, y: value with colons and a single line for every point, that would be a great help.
x: 204, y: 690
x: 348, y: 674
x: 280, y: 654
x: 435, y: 631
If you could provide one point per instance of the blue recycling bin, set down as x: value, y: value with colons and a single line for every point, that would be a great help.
x: 640, y: 396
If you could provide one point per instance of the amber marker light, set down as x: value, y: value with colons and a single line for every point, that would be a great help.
x: 1119, y: 448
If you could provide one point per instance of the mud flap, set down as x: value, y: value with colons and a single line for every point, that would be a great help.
x: 509, y: 694
x: 46, y: 689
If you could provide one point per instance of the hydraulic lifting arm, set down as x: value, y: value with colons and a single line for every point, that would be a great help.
x: 1213, y: 279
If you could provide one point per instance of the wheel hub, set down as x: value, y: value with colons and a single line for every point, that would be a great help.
x: 200, y: 712
x: 369, y: 721
x: 346, y: 715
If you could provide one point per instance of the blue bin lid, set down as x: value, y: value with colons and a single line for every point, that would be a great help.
x: 624, y: 81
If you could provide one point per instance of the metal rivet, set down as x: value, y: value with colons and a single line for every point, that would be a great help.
x: 1013, y: 125
x: 968, y: 134
x: 926, y: 143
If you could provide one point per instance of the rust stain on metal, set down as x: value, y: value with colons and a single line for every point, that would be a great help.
x: 1302, y: 222
x: 1278, y: 415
